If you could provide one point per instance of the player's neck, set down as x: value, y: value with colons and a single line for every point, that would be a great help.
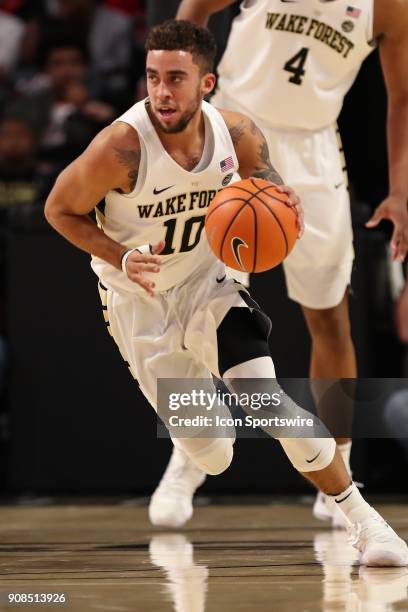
x: 186, y: 140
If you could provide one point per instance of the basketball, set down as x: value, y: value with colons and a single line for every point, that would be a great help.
x: 250, y: 227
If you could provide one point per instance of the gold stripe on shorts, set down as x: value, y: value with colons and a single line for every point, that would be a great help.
x: 342, y: 156
x: 103, y: 292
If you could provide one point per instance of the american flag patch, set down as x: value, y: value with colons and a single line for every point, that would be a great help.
x: 226, y: 164
x: 353, y: 12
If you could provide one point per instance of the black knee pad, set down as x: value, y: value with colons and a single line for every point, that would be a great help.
x: 241, y: 336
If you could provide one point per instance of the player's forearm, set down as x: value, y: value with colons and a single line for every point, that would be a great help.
x: 83, y: 233
x: 397, y: 133
x: 199, y: 11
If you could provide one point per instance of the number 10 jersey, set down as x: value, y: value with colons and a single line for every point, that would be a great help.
x: 290, y: 63
x: 168, y: 203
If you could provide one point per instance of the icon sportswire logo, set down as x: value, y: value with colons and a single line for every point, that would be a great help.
x: 236, y: 244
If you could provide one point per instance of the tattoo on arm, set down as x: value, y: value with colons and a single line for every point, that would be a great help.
x: 264, y: 168
x: 131, y: 160
x: 236, y: 132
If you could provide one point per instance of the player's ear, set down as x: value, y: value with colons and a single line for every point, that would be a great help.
x: 208, y: 83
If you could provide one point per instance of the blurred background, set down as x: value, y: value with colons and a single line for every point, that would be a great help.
x: 72, y: 420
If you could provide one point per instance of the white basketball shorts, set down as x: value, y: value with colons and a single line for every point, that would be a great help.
x: 188, y: 331
x: 318, y: 270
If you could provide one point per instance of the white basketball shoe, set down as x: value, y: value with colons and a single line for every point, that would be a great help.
x: 377, y: 543
x: 171, y: 505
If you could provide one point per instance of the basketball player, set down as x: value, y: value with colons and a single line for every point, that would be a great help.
x: 288, y: 65
x: 156, y: 168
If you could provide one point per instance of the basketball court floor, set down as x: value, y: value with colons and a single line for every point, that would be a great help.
x: 231, y: 557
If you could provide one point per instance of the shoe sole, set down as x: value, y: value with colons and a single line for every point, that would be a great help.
x: 383, y: 559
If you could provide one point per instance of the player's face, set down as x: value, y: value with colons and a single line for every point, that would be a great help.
x: 176, y: 88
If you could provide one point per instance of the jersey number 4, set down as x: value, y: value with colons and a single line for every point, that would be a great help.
x: 296, y: 66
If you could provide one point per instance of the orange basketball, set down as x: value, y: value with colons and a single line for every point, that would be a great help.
x: 249, y: 226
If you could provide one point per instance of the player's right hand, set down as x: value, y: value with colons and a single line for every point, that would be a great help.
x: 137, y: 264
x: 294, y: 202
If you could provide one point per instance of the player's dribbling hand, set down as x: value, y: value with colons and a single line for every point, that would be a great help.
x: 137, y: 264
x: 294, y: 202
x: 395, y: 210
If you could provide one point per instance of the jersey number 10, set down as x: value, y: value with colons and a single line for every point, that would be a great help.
x: 296, y: 66
x: 190, y: 237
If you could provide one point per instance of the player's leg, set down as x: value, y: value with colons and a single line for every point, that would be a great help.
x: 332, y: 357
x: 150, y: 342
x: 318, y: 273
x: 320, y: 461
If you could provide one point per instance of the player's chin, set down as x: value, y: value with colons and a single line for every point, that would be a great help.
x: 168, y: 121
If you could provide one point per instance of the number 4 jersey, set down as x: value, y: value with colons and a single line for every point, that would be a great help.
x: 168, y: 203
x: 291, y: 62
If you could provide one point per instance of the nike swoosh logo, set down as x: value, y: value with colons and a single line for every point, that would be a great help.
x: 338, y: 185
x: 314, y: 458
x: 236, y: 244
x: 344, y: 498
x: 219, y: 280
x: 157, y: 191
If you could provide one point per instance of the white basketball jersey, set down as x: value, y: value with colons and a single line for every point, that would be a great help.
x: 168, y: 203
x: 291, y: 62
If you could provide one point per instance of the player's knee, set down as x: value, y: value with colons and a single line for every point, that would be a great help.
x: 309, y: 454
x: 215, y: 457
x: 329, y: 325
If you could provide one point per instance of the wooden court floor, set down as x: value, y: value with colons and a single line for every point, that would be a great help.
x: 230, y: 558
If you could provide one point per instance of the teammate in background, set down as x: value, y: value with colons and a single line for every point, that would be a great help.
x: 288, y: 66
x: 155, y: 167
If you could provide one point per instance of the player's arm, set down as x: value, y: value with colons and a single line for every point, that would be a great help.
x: 253, y: 157
x: 391, y: 19
x: 110, y: 162
x: 199, y: 11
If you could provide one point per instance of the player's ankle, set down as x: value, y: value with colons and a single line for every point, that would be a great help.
x: 352, y: 504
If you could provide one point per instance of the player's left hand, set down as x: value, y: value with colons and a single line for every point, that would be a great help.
x: 294, y: 202
x: 395, y: 210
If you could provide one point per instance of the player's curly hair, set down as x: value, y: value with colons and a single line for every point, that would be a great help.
x: 182, y: 35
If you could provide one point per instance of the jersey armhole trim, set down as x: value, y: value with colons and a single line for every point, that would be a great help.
x: 228, y: 135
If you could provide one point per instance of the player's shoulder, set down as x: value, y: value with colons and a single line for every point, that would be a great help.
x: 117, y: 135
x: 239, y: 125
x: 233, y: 118
x: 113, y: 156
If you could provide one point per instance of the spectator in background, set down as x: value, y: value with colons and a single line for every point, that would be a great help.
x: 106, y: 33
x: 64, y: 113
x: 19, y: 185
x: 19, y: 182
x: 11, y: 34
x: 136, y: 8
